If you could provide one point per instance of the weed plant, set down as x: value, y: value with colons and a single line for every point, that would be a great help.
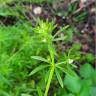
x: 30, y: 64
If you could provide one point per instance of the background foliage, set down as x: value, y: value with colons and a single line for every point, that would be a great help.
x: 31, y: 63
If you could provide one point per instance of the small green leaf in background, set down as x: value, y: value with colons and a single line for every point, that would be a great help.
x: 86, y: 70
x: 86, y: 87
x: 93, y: 91
x: 59, y: 78
x: 81, y: 17
x: 89, y: 58
x: 69, y: 33
x: 72, y: 83
x: 76, y: 46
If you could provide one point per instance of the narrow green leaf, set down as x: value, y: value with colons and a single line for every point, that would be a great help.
x: 63, y: 69
x: 40, y: 58
x: 49, y: 81
x: 62, y: 29
x: 59, y: 78
x: 41, y: 67
x: 39, y: 91
x: 60, y: 63
x: 47, y: 76
x: 59, y: 39
x: 67, y: 71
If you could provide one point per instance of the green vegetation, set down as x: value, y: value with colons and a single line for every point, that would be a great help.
x: 85, y: 85
x: 32, y: 65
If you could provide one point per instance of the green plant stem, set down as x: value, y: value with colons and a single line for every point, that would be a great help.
x: 50, y: 75
x: 49, y: 81
x: 51, y: 69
